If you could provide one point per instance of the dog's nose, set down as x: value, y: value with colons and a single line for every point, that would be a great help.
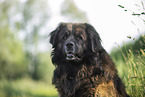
x: 70, y: 47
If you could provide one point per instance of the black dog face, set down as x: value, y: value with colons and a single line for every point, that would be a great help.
x: 74, y: 41
x: 82, y: 64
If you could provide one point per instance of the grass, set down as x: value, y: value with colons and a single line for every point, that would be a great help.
x: 26, y: 88
x: 132, y: 72
x: 135, y: 77
x: 130, y: 62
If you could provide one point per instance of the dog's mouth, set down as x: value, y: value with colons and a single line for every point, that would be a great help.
x: 72, y: 57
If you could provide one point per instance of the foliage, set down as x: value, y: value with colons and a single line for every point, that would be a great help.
x: 136, y: 75
x: 12, y: 55
x: 12, y: 59
x: 130, y: 61
x: 26, y: 88
x: 70, y: 10
x: 22, y: 57
x: 141, y: 13
x: 135, y: 46
x: 45, y: 69
x: 35, y: 15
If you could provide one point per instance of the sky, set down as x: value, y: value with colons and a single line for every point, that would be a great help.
x: 111, y: 21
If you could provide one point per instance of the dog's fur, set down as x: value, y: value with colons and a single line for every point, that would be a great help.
x: 83, y: 67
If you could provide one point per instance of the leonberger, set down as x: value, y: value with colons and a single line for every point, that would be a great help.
x: 83, y: 67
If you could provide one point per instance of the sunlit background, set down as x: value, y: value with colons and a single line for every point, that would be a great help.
x: 25, y: 62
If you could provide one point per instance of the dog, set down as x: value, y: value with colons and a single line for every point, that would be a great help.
x: 82, y: 66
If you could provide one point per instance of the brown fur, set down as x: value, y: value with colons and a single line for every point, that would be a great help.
x: 83, y: 67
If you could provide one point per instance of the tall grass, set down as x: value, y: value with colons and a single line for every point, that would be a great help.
x: 135, y: 75
x: 131, y: 68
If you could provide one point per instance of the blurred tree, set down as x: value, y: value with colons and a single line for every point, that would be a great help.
x: 12, y: 58
x: 11, y: 51
x: 27, y: 17
x: 72, y: 12
x: 35, y: 16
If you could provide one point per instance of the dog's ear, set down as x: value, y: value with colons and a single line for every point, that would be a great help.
x: 53, y: 37
x: 94, y: 38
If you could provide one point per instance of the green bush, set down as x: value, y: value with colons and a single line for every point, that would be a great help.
x: 12, y: 57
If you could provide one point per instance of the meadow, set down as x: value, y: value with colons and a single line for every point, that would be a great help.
x: 130, y: 62
x: 26, y: 88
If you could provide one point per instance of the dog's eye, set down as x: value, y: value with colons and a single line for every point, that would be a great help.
x: 65, y: 36
x: 79, y: 37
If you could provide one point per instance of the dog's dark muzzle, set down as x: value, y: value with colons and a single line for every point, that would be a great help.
x: 70, y: 47
x: 70, y: 51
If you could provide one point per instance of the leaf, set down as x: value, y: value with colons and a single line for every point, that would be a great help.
x: 121, y: 6
x: 129, y: 37
x: 136, y: 14
x: 143, y: 13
